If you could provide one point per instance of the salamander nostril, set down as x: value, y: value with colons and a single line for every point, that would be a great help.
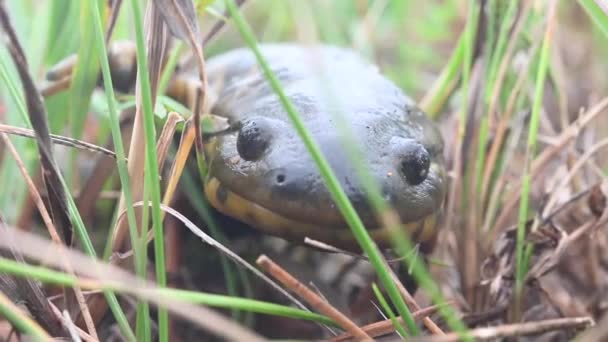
x: 387, y: 194
x: 415, y: 164
x: 280, y: 178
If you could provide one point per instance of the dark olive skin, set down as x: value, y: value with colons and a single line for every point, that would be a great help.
x: 266, y: 163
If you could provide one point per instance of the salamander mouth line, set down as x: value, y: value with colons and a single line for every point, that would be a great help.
x: 231, y: 204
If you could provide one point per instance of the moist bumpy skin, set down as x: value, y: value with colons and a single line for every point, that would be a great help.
x: 262, y: 173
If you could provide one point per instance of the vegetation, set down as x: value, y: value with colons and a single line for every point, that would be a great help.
x: 517, y: 88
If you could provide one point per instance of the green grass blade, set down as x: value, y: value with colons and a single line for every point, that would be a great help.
x: 387, y: 309
x: 11, y: 96
x: 481, y: 155
x: 501, y: 45
x: 543, y: 66
x: 402, y: 243
x: 13, y: 91
x: 245, y: 304
x: 143, y: 311
x: 21, y: 321
x: 169, y: 69
x: 47, y: 275
x: 64, y: 40
x: 436, y: 98
x: 151, y: 161
x: 139, y: 251
x: 60, y: 30
x: 84, y: 79
x: 599, y: 18
x: 338, y: 194
x: 469, y: 46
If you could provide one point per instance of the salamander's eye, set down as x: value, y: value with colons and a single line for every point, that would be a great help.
x: 253, y: 139
x: 414, y: 162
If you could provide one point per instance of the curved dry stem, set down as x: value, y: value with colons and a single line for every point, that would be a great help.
x: 223, y: 249
x: 58, y: 139
x: 46, y: 218
x: 565, y: 180
x: 542, y: 160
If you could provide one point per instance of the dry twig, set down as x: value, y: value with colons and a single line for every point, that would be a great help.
x: 513, y: 330
x: 409, y: 299
x: 542, y: 160
x: 58, y: 139
x: 386, y: 326
x: 310, y: 297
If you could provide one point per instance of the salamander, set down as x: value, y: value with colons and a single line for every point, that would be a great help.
x: 263, y: 175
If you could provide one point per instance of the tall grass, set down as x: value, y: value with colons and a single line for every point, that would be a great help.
x: 152, y: 172
x: 522, y: 260
x: 342, y: 201
x: 83, y: 237
x: 139, y: 250
x: 403, y: 63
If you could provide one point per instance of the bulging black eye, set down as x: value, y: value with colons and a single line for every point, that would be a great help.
x: 415, y: 163
x: 253, y: 139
